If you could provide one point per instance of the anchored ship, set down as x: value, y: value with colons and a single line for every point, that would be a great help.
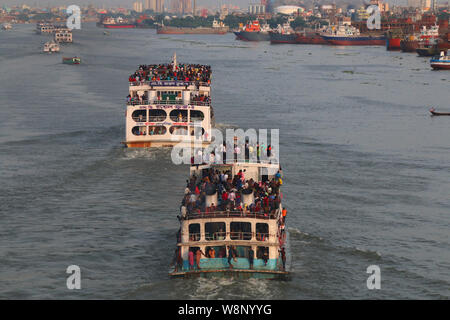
x: 346, y: 35
x: 116, y: 23
x: 283, y: 34
x: 254, y: 32
x: 232, y: 222
x: 217, y: 28
x: 169, y: 104
x: 310, y: 37
x: 411, y: 43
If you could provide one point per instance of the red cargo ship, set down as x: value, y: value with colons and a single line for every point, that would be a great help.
x: 310, y: 38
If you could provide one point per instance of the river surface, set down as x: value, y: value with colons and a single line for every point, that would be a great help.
x: 366, y: 169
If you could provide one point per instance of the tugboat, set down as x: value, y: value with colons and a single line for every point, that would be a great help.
x: 235, y: 224
x: 428, y: 48
x: 411, y: 43
x: 283, y: 34
x: 168, y: 105
x: 72, y: 60
x: 441, y: 62
x: 51, y: 46
x: 254, y: 32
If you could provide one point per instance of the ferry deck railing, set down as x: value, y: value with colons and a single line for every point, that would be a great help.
x: 231, y: 214
x: 236, y: 235
x: 146, y: 102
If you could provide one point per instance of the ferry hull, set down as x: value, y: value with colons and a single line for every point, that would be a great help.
x: 252, y: 36
x: 162, y: 144
x: 356, y: 41
x: 440, y: 66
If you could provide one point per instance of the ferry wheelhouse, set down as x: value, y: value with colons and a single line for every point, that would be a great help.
x: 232, y: 222
x: 169, y: 104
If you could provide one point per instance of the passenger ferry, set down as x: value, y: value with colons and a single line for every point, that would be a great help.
x: 51, y: 46
x: 169, y: 104
x: 232, y: 222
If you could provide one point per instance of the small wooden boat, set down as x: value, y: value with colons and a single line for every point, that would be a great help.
x: 72, y: 60
x: 434, y: 113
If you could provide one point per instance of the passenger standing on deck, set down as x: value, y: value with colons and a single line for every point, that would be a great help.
x: 191, y: 260
x: 198, y: 256
x: 283, y: 258
x: 230, y: 256
x: 251, y: 255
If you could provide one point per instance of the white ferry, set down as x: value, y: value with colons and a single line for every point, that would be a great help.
x: 63, y: 35
x: 169, y: 104
x: 44, y: 28
x: 51, y: 46
x: 232, y: 222
x: 6, y: 26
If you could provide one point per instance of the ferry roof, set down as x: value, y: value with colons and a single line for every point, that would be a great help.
x: 167, y: 72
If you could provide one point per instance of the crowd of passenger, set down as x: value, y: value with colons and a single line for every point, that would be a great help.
x: 201, y: 98
x: 181, y: 72
x: 230, y: 190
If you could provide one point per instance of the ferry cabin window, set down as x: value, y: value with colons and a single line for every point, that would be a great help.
x: 178, y: 130
x: 242, y: 251
x: 139, y: 131
x: 195, y: 131
x: 216, y: 252
x: 262, y: 252
x: 179, y: 115
x: 169, y: 95
x: 157, y: 115
x: 156, y: 130
x: 215, y: 231
x: 262, y: 231
x: 139, y: 115
x: 194, y: 232
x: 240, y: 231
x: 197, y: 115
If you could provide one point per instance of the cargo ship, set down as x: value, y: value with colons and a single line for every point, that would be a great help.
x: 234, y: 227
x: 217, y: 28
x: 411, y: 43
x: 441, y: 62
x: 283, y: 34
x: 116, y: 23
x: 254, y: 32
x: 169, y: 104
x: 346, y: 35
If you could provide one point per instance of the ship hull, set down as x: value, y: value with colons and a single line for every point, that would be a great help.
x: 311, y: 39
x: 393, y: 44
x: 428, y: 52
x: 252, y: 36
x: 119, y: 26
x: 174, y: 30
x: 277, y: 38
x: 440, y: 65
x: 409, y: 45
x: 355, y: 41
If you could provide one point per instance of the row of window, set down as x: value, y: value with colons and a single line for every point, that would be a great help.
x: 241, y: 252
x: 161, y: 130
x: 238, y: 231
x: 159, y: 115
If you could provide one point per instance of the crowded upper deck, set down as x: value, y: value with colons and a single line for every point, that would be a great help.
x: 189, y: 73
